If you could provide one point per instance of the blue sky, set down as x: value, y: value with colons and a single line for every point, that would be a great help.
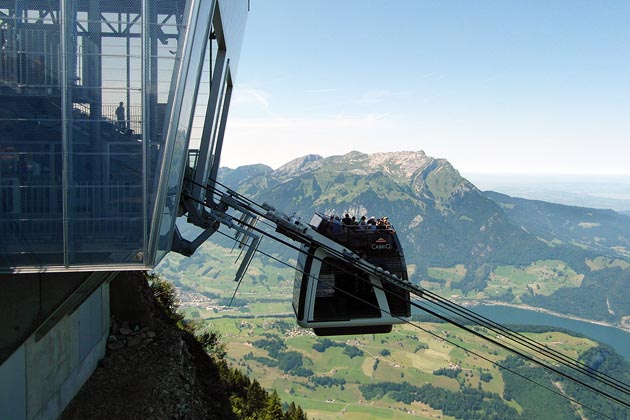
x: 492, y: 86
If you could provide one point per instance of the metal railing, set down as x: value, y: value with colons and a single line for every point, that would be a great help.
x: 32, y: 210
x: 32, y: 199
x: 29, y: 57
x: 132, y: 120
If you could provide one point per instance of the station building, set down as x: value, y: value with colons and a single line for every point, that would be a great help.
x: 99, y: 102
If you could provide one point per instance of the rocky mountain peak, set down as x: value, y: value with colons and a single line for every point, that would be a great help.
x: 298, y: 165
x: 402, y: 164
x: 406, y: 162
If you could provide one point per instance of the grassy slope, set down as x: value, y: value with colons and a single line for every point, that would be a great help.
x: 414, y: 354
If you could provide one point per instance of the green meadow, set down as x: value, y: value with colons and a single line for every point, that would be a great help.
x: 407, y: 354
x: 262, y: 339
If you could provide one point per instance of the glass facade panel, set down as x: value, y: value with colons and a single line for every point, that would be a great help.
x: 234, y: 17
x: 176, y: 147
x: 89, y: 90
x: 104, y: 150
x: 31, y: 205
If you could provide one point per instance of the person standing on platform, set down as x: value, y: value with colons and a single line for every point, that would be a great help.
x: 120, y: 117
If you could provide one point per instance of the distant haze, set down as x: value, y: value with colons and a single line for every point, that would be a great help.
x: 597, y: 191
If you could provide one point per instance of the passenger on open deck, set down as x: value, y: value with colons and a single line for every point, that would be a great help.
x: 335, y: 225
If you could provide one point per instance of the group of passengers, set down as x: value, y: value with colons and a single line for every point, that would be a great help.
x: 363, y: 223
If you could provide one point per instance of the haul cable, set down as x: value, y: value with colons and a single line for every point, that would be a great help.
x: 415, y: 325
x: 447, y: 305
x: 451, y: 307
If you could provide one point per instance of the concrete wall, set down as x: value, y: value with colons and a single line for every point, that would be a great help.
x: 27, y: 300
x: 41, y: 377
x: 13, y: 386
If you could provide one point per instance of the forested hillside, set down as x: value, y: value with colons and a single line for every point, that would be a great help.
x: 599, y: 230
x: 457, y: 239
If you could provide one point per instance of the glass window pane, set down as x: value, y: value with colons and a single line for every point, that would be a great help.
x: 31, y: 206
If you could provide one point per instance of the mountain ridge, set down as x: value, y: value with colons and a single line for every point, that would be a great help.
x: 562, y: 221
x: 444, y: 220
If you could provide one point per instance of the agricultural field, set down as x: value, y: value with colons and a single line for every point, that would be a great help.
x: 356, y: 377
x: 539, y: 278
x: 327, y: 375
x: 508, y: 283
x: 600, y: 263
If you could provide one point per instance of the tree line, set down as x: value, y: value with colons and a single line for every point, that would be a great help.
x: 468, y: 403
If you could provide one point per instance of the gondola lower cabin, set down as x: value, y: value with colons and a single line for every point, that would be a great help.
x: 334, y: 296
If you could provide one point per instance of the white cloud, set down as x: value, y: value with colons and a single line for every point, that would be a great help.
x: 276, y: 140
x: 323, y: 90
x: 381, y: 95
x: 304, y: 124
x: 249, y: 96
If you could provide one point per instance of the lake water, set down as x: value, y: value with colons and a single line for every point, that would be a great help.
x: 614, y: 337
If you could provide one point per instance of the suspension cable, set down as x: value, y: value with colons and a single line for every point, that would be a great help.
x: 461, y: 312
x: 473, y: 317
x: 418, y: 326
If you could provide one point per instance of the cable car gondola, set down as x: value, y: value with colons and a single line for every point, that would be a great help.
x: 335, y: 296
